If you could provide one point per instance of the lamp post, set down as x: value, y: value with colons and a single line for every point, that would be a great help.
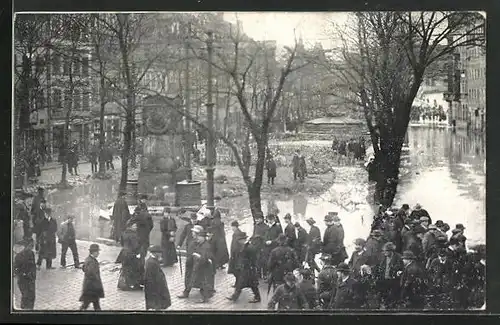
x: 210, y: 168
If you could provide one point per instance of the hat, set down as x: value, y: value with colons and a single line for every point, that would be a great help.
x: 197, y: 229
x: 408, y: 255
x: 235, y: 223
x: 460, y: 226
x: 310, y: 221
x: 296, y: 225
x: 446, y: 226
x: 439, y: 223
x: 359, y: 242
x: 377, y: 232
x: 343, y: 267
x: 94, y: 248
x: 405, y: 206
x: 424, y: 218
x: 417, y: 206
x: 288, y: 216
x: 419, y: 230
x: 328, y: 218
x: 389, y: 247
x: 241, y: 235
x: 155, y: 249
x: 40, y: 189
x: 325, y: 257
x: 289, y: 277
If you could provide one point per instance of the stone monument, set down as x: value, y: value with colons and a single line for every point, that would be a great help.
x: 162, y: 160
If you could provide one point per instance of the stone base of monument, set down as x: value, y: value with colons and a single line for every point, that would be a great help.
x: 148, y: 181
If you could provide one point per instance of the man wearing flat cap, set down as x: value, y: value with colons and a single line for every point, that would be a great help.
x: 25, y: 271
x: 413, y: 286
x: 388, y: 276
x: 333, y: 239
x: 200, y: 274
x: 156, y: 291
x: 92, y: 289
x: 245, y: 268
x: 313, y: 245
x: 327, y: 282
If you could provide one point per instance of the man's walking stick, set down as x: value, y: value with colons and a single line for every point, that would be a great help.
x: 180, y: 259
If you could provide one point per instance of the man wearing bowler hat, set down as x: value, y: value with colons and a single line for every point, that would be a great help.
x: 327, y: 282
x: 333, y: 239
x: 413, y: 285
x: 346, y: 296
x: 313, y: 244
x: 92, y: 289
x: 156, y: 291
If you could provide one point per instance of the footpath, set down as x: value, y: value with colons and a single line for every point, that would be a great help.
x: 59, y: 289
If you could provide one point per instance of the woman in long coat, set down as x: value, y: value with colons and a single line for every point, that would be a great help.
x: 48, y: 250
x: 120, y: 216
x: 130, y: 275
x: 235, y: 249
x: 168, y: 228
x: 156, y: 290
x: 221, y: 253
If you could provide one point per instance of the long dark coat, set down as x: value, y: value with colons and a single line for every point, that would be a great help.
x: 271, y: 168
x: 414, y: 244
x: 290, y: 235
x: 271, y: 234
x: 221, y: 253
x: 441, y: 283
x: 131, y: 272
x: 168, y: 228
x: 247, y: 275
x: 145, y: 224
x: 309, y: 292
x: 314, y: 241
x: 413, y: 287
x: 25, y: 270
x: 202, y: 269
x: 282, y: 260
x: 333, y: 243
x: 35, y: 210
x: 346, y: 295
x: 186, y: 237
x: 295, y: 163
x: 235, y: 250
x: 373, y: 249
x: 301, y: 244
x: 48, y: 230
x: 327, y: 286
x: 155, y: 286
x: 120, y: 217
x: 288, y: 298
x: 92, y: 284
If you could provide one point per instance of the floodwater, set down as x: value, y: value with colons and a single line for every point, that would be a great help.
x: 443, y: 171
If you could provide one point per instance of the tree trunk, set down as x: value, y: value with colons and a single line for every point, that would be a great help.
x: 255, y: 201
x: 255, y: 189
x: 64, y: 156
x: 127, y: 141
x: 102, y: 135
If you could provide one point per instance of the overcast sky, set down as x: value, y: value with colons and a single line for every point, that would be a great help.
x: 279, y: 26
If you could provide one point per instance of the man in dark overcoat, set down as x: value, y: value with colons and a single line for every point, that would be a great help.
x: 22, y: 212
x: 288, y: 296
x: 92, y: 289
x: 313, y: 244
x: 213, y: 246
x: 346, y: 296
x: 388, y: 273
x: 145, y: 224
x: 48, y: 230
x: 37, y: 214
x: 282, y: 260
x: 413, y: 284
x: 271, y: 241
x: 25, y: 271
x: 156, y: 291
x: 295, y: 164
x: 246, y: 269
x: 327, y: 282
x: 333, y: 239
x: 120, y: 217
x: 300, y: 244
x: 168, y: 228
x: 373, y: 248
x: 258, y: 238
x: 290, y: 234
x: 440, y: 279
x: 186, y: 236
x: 221, y: 254
x: 234, y: 249
x: 201, y: 271
x: 359, y: 257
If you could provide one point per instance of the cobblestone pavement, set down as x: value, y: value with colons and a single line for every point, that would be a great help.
x: 60, y: 289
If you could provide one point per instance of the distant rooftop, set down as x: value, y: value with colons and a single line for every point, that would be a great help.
x: 334, y: 120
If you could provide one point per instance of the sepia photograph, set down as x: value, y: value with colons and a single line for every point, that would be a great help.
x: 248, y: 161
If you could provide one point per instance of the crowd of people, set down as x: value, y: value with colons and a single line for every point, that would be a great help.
x: 349, y: 151
x: 406, y: 262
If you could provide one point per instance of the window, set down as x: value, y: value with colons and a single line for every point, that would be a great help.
x: 76, y: 99
x: 85, y: 66
x: 56, y: 64
x: 57, y: 99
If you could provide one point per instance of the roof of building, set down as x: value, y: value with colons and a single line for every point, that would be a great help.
x: 334, y: 120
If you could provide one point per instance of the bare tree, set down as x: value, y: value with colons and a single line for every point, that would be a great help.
x: 381, y: 67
